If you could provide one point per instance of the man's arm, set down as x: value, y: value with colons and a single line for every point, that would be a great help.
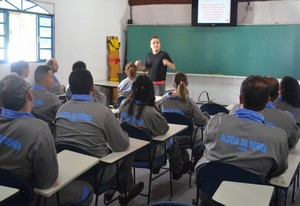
x: 139, y: 65
x: 169, y: 64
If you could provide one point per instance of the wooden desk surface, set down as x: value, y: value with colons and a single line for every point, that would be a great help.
x: 173, y: 130
x: 135, y: 144
x: 71, y: 165
x: 296, y: 150
x: 107, y: 83
x: 285, y: 179
x: 6, y: 192
x: 237, y: 194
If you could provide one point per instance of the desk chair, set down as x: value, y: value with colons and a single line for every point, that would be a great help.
x: 210, y: 176
x: 176, y: 118
x: 213, y: 108
x: 50, y: 124
x: 152, y: 162
x: 25, y: 195
x: 99, y: 188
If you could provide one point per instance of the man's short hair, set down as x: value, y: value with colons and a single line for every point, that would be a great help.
x: 78, y: 65
x: 19, y: 66
x: 40, y: 73
x: 255, y: 93
x: 49, y: 62
x: 13, y: 91
x: 274, y: 87
x: 80, y: 81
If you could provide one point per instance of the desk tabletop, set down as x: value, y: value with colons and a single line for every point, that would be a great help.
x: 285, y: 179
x: 107, y: 83
x: 71, y: 165
x: 134, y: 145
x: 6, y: 192
x: 236, y: 194
x: 173, y: 130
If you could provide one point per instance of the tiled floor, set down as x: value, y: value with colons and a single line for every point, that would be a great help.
x: 181, y: 191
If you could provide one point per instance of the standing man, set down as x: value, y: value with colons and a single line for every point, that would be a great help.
x: 156, y: 64
x: 56, y: 87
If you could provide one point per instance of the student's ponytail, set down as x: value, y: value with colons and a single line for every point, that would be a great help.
x: 181, y: 82
x: 182, y: 91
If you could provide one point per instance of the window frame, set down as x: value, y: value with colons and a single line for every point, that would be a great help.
x: 38, y: 26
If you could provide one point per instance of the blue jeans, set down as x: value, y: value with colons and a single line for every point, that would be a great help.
x: 160, y: 89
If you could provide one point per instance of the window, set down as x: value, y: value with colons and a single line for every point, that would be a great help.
x: 26, y: 32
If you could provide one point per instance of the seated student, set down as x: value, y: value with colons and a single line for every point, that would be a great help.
x: 289, y: 99
x: 89, y: 124
x: 98, y: 95
x: 28, y: 149
x: 139, y: 110
x: 278, y: 118
x: 21, y: 68
x: 243, y: 139
x: 124, y: 87
x: 179, y: 102
x: 56, y: 87
x: 46, y: 103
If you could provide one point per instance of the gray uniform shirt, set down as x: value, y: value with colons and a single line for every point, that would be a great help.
x: 124, y: 87
x: 45, y: 104
x: 188, y: 108
x: 150, y: 121
x: 90, y: 125
x: 27, y: 149
x: 247, y: 144
x: 56, y: 87
x: 295, y: 111
x: 285, y: 121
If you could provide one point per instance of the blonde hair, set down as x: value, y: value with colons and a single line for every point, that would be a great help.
x: 181, y: 82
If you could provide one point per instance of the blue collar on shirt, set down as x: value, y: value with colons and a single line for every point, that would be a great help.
x: 270, y: 105
x: 39, y: 87
x: 11, y: 114
x: 138, y: 102
x: 82, y: 97
x: 168, y: 95
x: 249, y: 115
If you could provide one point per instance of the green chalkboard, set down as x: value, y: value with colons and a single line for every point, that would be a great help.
x: 239, y: 51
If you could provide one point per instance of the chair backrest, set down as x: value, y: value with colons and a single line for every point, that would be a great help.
x: 176, y: 118
x: 137, y: 133
x: 60, y: 146
x: 26, y: 193
x: 213, y: 108
x: 210, y: 176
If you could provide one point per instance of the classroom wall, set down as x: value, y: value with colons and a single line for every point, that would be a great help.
x: 81, y: 27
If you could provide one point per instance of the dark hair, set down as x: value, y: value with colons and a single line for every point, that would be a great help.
x: 255, y: 93
x: 18, y: 67
x: 290, y: 91
x: 274, y: 87
x: 78, y: 65
x: 80, y: 81
x: 13, y: 91
x: 40, y: 73
x: 141, y: 90
x: 154, y: 37
x: 181, y: 82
